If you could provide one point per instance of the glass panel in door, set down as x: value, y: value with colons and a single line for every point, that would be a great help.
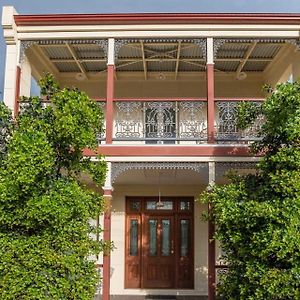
x: 165, y: 238
x: 152, y: 237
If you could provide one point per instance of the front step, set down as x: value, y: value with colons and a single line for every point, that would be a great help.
x: 160, y: 297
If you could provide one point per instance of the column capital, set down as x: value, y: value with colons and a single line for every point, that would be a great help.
x: 111, y: 52
x: 107, y: 192
x: 209, y: 50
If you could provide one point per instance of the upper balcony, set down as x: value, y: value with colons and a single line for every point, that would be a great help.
x: 170, y: 91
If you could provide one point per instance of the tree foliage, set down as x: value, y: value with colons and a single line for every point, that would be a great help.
x: 258, y: 216
x: 45, y: 234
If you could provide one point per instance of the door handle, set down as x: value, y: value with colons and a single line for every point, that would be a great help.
x: 172, y: 247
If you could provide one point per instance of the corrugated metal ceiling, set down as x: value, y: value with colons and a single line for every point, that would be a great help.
x: 57, y: 52
x: 67, y: 67
x: 130, y: 56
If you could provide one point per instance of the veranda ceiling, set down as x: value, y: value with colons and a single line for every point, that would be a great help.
x: 171, y: 57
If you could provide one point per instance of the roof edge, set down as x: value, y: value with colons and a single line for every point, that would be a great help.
x: 157, y: 18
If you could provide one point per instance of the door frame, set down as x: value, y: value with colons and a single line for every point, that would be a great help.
x: 138, y: 261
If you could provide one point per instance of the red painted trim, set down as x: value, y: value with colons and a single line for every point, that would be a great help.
x: 106, y: 257
x: 239, y: 99
x: 180, y: 99
x: 109, y: 103
x: 157, y: 18
x: 107, y: 192
x: 159, y: 99
x: 17, y: 96
x: 151, y: 99
x: 211, y: 259
x: 205, y: 150
x: 210, y: 103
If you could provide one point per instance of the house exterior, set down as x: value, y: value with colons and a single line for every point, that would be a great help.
x: 169, y: 85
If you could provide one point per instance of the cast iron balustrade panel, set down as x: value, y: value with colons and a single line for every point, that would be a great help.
x: 160, y: 122
x: 226, y: 129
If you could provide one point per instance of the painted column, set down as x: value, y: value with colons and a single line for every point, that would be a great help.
x: 110, y: 90
x: 12, y: 69
x: 17, y: 91
x: 211, y: 241
x: 210, y: 91
x: 25, y: 80
x: 107, y: 194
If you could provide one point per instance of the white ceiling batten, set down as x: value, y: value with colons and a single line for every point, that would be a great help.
x: 239, y: 74
x: 144, y: 60
x: 177, y: 59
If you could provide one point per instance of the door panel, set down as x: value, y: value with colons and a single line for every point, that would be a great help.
x: 159, y: 258
x: 185, y: 261
x: 133, y: 252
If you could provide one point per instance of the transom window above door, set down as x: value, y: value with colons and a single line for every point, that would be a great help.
x: 152, y: 204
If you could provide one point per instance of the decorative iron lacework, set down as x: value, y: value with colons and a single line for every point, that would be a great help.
x: 237, y: 165
x: 223, y: 167
x: 101, y: 135
x: 128, y: 120
x: 192, y: 123
x: 221, y: 271
x: 160, y: 120
x: 99, y: 285
x: 120, y: 167
x: 226, y: 123
x: 103, y: 43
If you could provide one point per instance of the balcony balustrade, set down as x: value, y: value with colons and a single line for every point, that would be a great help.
x: 176, y: 122
x: 160, y: 122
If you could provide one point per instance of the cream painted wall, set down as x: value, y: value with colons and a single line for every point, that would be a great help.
x: 296, y: 66
x: 9, y: 93
x: 281, y: 68
x: 118, y: 238
x: 226, y: 85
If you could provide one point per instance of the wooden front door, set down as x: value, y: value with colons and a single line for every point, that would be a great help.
x: 159, y: 258
x: 159, y: 243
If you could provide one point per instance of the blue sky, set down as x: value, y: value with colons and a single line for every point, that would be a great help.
x: 127, y: 6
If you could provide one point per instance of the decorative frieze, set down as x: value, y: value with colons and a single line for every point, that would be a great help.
x: 120, y: 167
x: 202, y: 45
x: 219, y: 42
x: 119, y: 43
x: 23, y: 47
x: 103, y: 43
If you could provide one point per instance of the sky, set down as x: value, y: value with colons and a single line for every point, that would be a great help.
x: 131, y: 6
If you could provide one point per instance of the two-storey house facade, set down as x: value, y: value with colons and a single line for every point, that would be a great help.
x: 169, y: 86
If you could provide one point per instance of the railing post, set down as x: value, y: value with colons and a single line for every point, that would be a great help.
x: 110, y: 90
x: 210, y: 91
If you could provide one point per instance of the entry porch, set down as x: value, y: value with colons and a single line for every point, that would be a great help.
x: 162, y: 244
